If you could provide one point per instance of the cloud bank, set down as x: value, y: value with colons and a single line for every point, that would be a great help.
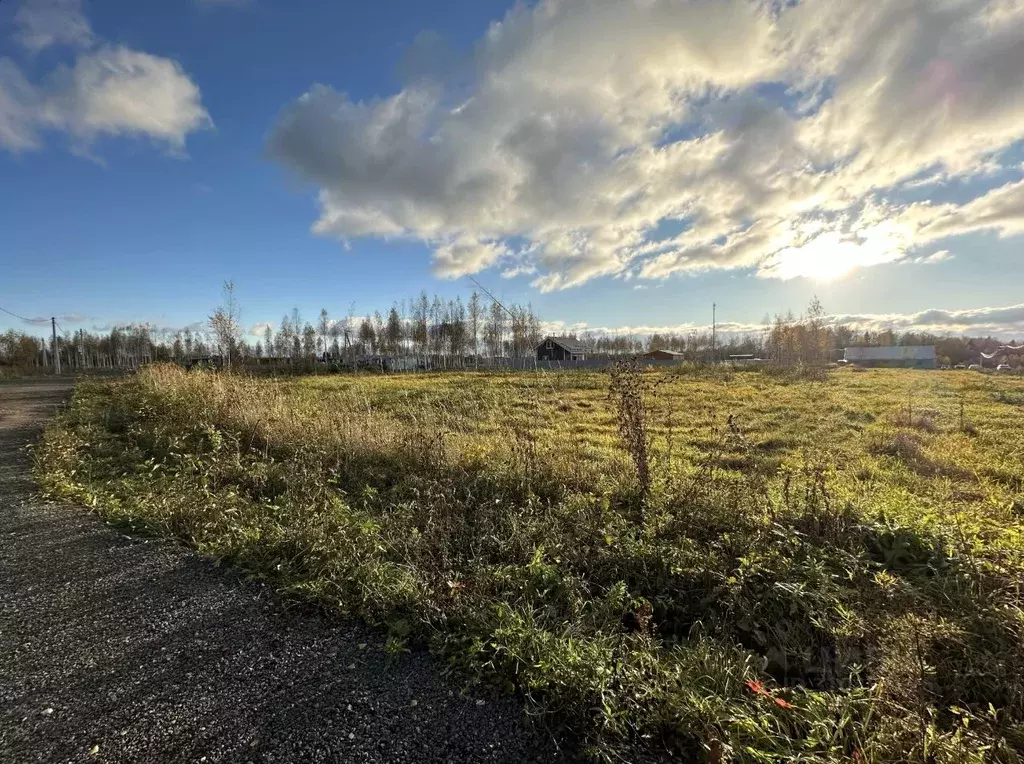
x: 108, y: 90
x: 644, y: 138
x: 1005, y: 322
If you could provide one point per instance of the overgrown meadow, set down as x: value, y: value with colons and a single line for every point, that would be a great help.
x: 715, y: 565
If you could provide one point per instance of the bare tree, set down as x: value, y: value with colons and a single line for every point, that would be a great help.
x: 283, y: 341
x: 457, y: 333
x: 393, y: 332
x: 366, y: 337
x: 324, y: 329
x: 817, y: 337
x: 378, y: 333
x: 308, y: 341
x: 350, y: 329
x: 339, y: 331
x: 420, y: 319
x: 436, y: 332
x: 226, y: 323
x: 494, y: 331
x: 475, y: 313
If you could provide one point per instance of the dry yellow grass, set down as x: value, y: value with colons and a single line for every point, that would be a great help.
x: 819, y: 570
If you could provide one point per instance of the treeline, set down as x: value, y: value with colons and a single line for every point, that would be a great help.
x: 809, y: 338
x: 422, y: 327
x: 787, y: 340
x: 121, y: 347
x: 425, y: 331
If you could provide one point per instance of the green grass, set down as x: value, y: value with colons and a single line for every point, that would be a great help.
x: 819, y: 571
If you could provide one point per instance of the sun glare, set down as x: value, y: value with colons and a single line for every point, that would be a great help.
x: 830, y: 256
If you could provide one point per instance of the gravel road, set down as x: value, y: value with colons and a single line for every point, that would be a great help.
x: 121, y: 649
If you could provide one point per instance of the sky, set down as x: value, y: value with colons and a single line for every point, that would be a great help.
x: 619, y: 164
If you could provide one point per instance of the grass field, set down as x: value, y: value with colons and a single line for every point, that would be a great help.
x: 717, y: 565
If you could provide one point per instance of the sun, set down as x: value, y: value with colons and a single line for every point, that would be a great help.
x: 830, y: 256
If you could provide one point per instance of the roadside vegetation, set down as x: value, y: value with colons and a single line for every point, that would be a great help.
x: 720, y: 565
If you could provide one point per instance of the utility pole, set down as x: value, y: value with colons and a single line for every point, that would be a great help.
x: 714, y: 330
x: 56, y: 350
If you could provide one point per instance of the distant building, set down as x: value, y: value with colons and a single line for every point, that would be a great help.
x: 897, y: 356
x: 746, y: 359
x: 561, y: 349
x: 663, y: 355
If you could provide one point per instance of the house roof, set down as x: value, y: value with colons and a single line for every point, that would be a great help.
x: 892, y: 353
x: 567, y: 343
x: 666, y: 352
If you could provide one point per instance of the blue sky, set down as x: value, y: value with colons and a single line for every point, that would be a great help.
x: 622, y: 158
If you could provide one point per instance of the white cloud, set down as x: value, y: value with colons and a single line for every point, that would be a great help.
x: 43, y: 23
x: 772, y: 133
x: 115, y: 91
x: 933, y: 259
x: 1000, y: 210
x: 19, y: 107
x: 466, y: 255
x: 107, y: 91
x: 518, y: 270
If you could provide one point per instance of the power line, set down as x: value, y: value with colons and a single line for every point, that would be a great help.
x: 22, y: 318
x: 56, y: 347
x: 34, y: 321
x: 512, y: 315
x: 495, y: 299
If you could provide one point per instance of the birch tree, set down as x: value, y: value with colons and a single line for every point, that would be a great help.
x: 475, y: 312
x: 324, y: 329
x: 225, y: 323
